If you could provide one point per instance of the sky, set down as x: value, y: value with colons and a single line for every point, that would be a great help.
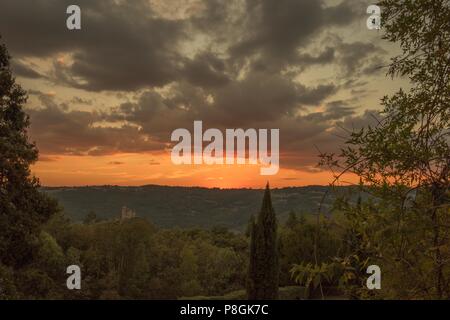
x: 104, y: 100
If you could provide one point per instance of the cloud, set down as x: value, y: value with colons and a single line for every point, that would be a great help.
x: 24, y: 70
x: 262, y: 97
x: 145, y: 125
x: 127, y: 46
x: 318, y: 134
x: 358, y: 57
x: 205, y: 70
x: 334, y: 110
x: 231, y: 64
x: 279, y: 27
x: 43, y: 158
x: 116, y: 163
x: 152, y: 162
x: 65, y: 132
x: 122, y: 45
x: 158, y: 116
x: 257, y: 100
x: 326, y: 56
x: 78, y: 100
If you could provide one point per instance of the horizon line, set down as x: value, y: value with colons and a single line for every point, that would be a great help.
x: 180, y: 186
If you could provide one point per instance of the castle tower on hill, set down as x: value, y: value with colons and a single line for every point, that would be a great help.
x: 127, y: 213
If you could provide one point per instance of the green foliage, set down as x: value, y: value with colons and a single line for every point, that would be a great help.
x: 8, y: 288
x: 49, y: 256
x: 263, y: 275
x: 292, y: 220
x: 312, y: 275
x: 285, y: 293
x: 34, y: 283
x: 251, y: 223
x: 91, y: 217
x: 296, y: 242
x: 132, y: 259
x: 23, y: 209
x: 404, y: 161
x: 235, y: 295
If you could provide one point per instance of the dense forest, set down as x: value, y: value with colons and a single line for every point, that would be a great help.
x: 402, y: 226
x: 133, y: 259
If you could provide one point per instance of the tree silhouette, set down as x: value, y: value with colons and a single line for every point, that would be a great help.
x: 23, y: 209
x: 263, y: 266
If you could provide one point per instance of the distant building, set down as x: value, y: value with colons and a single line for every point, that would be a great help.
x: 127, y: 213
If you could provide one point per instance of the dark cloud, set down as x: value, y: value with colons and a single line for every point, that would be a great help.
x: 220, y: 18
x: 334, y: 110
x: 58, y: 131
x: 359, y: 58
x: 327, y: 56
x: 47, y: 98
x: 205, y: 70
x: 317, y: 95
x: 261, y: 97
x: 159, y: 116
x: 121, y: 46
x: 279, y: 27
x: 255, y: 100
x: 24, y: 70
x: 302, y: 147
x: 125, y: 45
x: 78, y: 100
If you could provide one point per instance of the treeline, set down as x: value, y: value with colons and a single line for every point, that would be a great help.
x: 133, y: 259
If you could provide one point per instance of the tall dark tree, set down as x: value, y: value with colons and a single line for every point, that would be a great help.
x: 263, y: 272
x: 23, y: 209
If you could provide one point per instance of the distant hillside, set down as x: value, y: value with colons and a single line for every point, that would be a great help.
x: 186, y: 206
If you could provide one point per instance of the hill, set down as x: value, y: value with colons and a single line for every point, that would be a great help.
x: 186, y: 206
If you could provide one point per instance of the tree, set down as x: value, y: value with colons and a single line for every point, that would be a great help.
x: 404, y: 161
x: 250, y: 224
x: 90, y: 218
x: 23, y: 209
x: 292, y: 220
x: 263, y: 272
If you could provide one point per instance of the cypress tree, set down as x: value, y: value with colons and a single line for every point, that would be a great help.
x: 263, y: 267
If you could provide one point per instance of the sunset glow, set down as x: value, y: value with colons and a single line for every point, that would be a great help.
x: 142, y: 169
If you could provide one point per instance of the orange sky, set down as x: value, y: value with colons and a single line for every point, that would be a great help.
x: 141, y: 169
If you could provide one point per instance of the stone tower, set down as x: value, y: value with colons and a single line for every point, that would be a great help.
x: 127, y: 213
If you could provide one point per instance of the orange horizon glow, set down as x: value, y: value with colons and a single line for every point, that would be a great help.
x: 143, y: 169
